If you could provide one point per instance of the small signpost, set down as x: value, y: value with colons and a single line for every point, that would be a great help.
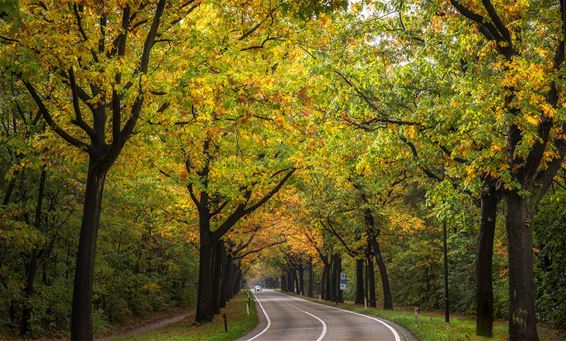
x: 343, y: 281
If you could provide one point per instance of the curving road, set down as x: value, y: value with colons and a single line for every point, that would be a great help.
x: 283, y: 317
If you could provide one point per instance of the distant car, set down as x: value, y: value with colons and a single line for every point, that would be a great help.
x: 257, y: 288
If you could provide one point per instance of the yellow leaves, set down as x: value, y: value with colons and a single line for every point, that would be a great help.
x: 402, y: 220
x: 495, y: 148
x: 532, y: 119
x: 471, y: 171
x: 515, y: 8
x: 436, y: 23
x: 202, y: 93
x: 280, y: 121
x: 548, y: 110
x: 411, y: 132
x: 550, y: 154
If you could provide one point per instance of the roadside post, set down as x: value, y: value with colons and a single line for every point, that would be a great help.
x: 417, y: 312
x: 249, y: 302
x: 225, y: 321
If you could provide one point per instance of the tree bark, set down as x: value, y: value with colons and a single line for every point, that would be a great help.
x: 522, y: 320
x: 218, y: 260
x: 227, y: 279
x: 387, y: 299
x: 237, y: 280
x: 290, y: 280
x: 9, y: 190
x: 372, y: 302
x: 359, y: 281
x: 301, y: 280
x: 310, y: 288
x: 323, y: 280
x: 333, y: 279
x: 484, y: 280
x: 296, y: 281
x: 205, y: 311
x: 283, y: 283
x: 81, y: 315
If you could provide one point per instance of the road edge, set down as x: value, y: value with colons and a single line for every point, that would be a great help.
x: 265, y: 316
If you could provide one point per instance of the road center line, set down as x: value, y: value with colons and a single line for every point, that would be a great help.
x: 324, y: 326
x: 393, y: 331
x: 266, y: 317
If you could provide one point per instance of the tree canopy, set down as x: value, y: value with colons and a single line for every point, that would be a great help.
x: 174, y: 150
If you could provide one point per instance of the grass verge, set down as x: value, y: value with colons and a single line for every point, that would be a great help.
x: 239, y: 324
x: 428, y: 328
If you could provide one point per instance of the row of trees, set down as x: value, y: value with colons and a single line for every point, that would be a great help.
x: 100, y: 73
x: 459, y: 101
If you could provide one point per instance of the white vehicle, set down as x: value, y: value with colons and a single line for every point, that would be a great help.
x: 257, y: 288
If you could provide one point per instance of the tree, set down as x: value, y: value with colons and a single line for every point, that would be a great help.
x: 529, y: 169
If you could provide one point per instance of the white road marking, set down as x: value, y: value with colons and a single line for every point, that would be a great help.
x: 393, y: 331
x: 324, y: 326
x: 266, y: 316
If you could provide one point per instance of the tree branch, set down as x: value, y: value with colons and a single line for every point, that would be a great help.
x: 270, y: 193
x: 49, y: 119
x: 373, y: 106
x: 247, y: 253
x: 76, y: 106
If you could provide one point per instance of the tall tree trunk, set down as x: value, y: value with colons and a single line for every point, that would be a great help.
x: 310, y: 288
x: 333, y: 278
x: 291, y: 279
x: 218, y: 260
x: 387, y: 300
x: 328, y: 284
x: 522, y: 320
x: 301, y: 280
x: 237, y: 280
x: 31, y: 268
x: 484, y: 280
x: 205, y: 310
x: 372, y: 301
x: 227, y: 279
x: 81, y: 315
x: 283, y: 283
x: 359, y: 281
x: 323, y: 278
x: 9, y: 190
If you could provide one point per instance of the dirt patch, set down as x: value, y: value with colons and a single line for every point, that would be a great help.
x: 154, y: 322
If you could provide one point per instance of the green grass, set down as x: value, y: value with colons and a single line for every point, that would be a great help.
x: 239, y: 324
x: 430, y: 328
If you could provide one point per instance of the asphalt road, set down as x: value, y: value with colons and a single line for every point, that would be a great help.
x: 283, y: 317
